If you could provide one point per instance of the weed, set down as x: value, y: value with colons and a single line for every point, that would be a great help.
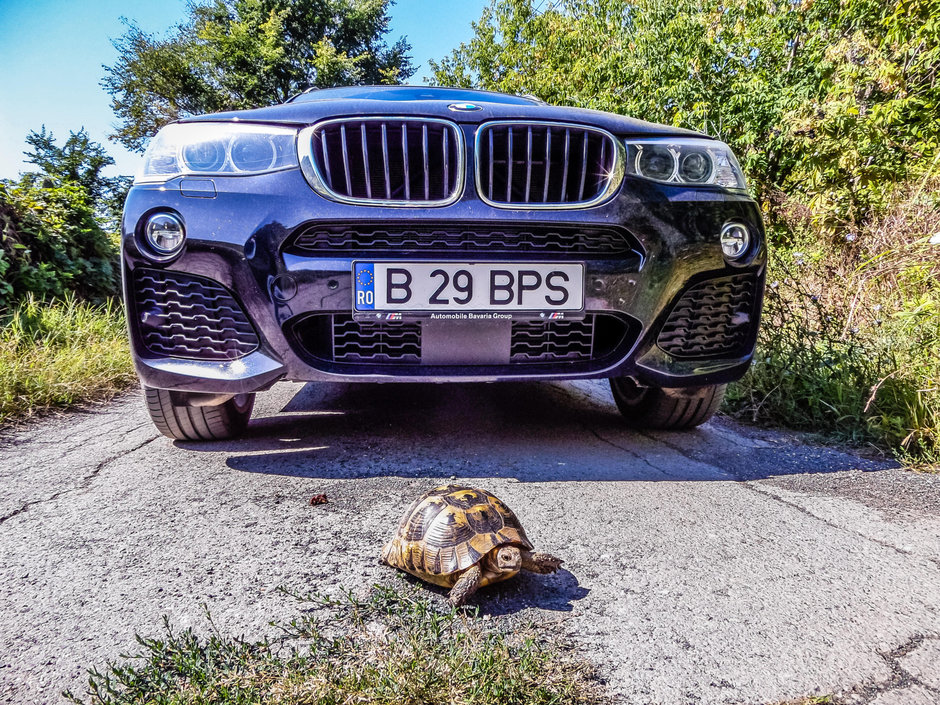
x: 850, y: 341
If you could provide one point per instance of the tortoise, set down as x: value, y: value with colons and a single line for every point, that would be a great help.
x: 463, y: 538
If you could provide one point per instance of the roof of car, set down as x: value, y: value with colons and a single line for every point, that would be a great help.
x: 407, y: 93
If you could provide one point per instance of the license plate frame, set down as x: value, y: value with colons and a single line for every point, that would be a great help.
x: 407, y: 289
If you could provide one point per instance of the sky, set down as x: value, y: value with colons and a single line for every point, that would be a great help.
x: 52, y: 53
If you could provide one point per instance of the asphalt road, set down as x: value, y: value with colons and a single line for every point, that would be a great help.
x: 724, y: 565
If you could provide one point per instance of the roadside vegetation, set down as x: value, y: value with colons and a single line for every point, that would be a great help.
x: 62, y: 339
x: 62, y: 353
x: 833, y: 108
x: 391, y: 647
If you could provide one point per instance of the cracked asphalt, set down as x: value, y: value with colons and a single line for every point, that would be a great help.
x: 723, y: 565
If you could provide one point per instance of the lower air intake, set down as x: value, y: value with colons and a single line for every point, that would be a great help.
x: 336, y: 340
x: 189, y: 317
x: 712, y: 319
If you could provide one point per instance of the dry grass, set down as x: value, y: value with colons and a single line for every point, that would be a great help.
x: 59, y: 354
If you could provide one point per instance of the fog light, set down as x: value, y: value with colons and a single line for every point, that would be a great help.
x: 735, y: 240
x: 165, y: 233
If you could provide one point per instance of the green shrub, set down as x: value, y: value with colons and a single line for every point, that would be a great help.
x: 850, y: 340
x: 51, y: 243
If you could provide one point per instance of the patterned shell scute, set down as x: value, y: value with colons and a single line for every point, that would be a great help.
x: 450, y: 529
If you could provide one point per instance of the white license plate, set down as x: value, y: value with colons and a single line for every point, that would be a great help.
x: 477, y: 286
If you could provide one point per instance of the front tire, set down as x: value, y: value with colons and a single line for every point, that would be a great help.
x: 184, y: 422
x: 666, y: 409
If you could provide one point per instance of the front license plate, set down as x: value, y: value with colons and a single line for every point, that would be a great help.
x: 477, y: 286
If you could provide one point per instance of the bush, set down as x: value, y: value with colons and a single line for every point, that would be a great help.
x: 850, y: 334
x: 51, y: 243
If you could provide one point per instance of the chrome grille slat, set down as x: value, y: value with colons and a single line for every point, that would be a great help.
x: 346, y: 160
x: 509, y: 162
x: 404, y: 149
x: 548, y: 162
x: 492, y: 162
x: 422, y: 162
x: 528, y: 170
x: 582, y: 166
x: 427, y: 172
x: 388, y: 180
x: 446, y: 159
x: 326, y: 160
x: 365, y: 160
x: 565, y: 163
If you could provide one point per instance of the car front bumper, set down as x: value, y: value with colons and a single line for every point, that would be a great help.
x: 241, y: 233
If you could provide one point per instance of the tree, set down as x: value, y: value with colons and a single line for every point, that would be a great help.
x: 51, y: 236
x: 829, y: 99
x: 236, y: 54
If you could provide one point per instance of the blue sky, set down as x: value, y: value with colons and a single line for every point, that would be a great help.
x: 52, y: 51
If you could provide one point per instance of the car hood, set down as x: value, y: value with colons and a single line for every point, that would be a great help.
x: 307, y: 113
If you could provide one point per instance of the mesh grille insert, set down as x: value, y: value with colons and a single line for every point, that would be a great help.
x: 552, y: 341
x: 335, y: 338
x: 190, y: 317
x: 389, y: 159
x: 712, y: 318
x: 540, y: 163
x: 499, y: 238
x: 359, y: 341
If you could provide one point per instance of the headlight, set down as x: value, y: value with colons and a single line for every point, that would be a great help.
x: 217, y: 149
x: 697, y: 162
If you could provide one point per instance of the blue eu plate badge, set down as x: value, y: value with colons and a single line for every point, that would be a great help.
x: 365, y: 286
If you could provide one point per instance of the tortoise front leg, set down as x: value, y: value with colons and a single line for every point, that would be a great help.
x: 537, y: 562
x: 466, y: 585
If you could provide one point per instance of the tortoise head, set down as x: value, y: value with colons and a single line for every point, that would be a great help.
x: 508, y: 559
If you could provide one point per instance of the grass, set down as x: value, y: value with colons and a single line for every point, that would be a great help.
x: 60, y: 354
x: 850, y: 338
x: 393, y: 647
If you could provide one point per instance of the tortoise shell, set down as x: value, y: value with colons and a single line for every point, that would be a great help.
x: 449, y: 529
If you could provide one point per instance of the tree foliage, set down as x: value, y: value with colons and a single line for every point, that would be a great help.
x: 51, y: 239
x: 236, y: 54
x: 830, y: 99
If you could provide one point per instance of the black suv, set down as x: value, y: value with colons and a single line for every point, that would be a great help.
x: 414, y: 234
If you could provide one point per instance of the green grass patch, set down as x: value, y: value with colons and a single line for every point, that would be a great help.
x: 393, y: 647
x: 61, y: 353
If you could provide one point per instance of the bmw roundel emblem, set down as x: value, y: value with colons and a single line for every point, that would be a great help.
x: 464, y: 107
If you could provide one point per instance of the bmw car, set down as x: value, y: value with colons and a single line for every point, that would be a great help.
x: 414, y: 234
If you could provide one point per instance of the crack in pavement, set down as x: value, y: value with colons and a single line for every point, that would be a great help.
x: 753, y: 486
x: 83, y: 484
x: 900, y: 679
x: 802, y: 510
x: 630, y: 452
